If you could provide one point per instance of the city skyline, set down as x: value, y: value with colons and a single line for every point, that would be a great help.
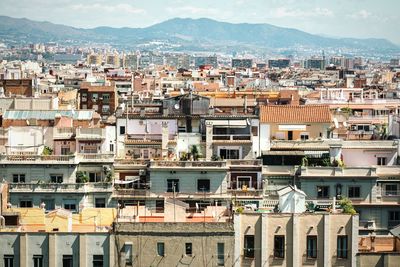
x: 358, y: 19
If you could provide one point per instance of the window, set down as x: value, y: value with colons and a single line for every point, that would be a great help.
x: 159, y: 206
x: 94, y: 177
x: 203, y: 185
x: 100, y: 202
x: 106, y: 98
x: 322, y: 191
x: 188, y: 249
x: 279, y: 246
x: 342, y: 247
x: 84, y: 97
x: 18, y: 178
x: 111, y: 147
x: 243, y: 182
x: 229, y: 153
x: 97, y: 260
x: 49, y: 204
x: 249, y: 246
x: 8, y: 260
x: 68, y: 261
x: 160, y: 249
x: 304, y: 136
x: 354, y: 192
x: 171, y: 184
x: 105, y: 108
x: 381, y: 161
x: 70, y: 204
x: 65, y: 150
x: 311, y: 246
x: 128, y: 253
x: 390, y: 190
x: 121, y: 130
x: 56, y: 178
x: 393, y: 218
x: 95, y: 96
x: 254, y: 130
x: 37, y: 261
x: 220, y: 254
x: 25, y: 204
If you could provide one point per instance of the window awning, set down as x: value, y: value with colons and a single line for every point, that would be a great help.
x: 227, y: 123
x: 283, y: 153
x: 292, y: 127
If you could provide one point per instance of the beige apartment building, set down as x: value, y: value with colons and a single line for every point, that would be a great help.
x: 308, y: 239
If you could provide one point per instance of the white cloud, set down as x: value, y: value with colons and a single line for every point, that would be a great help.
x: 362, y: 14
x: 192, y: 10
x: 124, y: 8
x: 283, y: 12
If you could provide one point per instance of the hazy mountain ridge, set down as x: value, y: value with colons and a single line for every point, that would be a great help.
x: 188, y: 32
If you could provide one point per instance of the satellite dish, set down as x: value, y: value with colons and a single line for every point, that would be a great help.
x: 335, y: 121
x: 176, y: 106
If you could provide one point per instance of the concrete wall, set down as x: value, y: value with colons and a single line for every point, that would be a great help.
x: 295, y: 228
x: 52, y: 247
x: 204, y: 238
x: 351, y: 157
x: 188, y: 180
x: 388, y: 259
x: 38, y: 172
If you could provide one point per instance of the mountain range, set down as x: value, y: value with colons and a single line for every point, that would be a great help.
x: 184, y: 33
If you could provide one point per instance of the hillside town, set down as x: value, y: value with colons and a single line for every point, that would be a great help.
x: 155, y: 158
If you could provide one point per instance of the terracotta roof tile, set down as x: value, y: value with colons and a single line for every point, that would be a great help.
x: 295, y: 114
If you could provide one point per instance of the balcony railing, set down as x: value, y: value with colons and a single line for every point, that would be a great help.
x: 62, y: 187
x: 38, y: 158
x: 90, y: 133
x: 253, y: 186
x: 391, y: 193
x: 188, y: 164
x: 231, y: 137
x: 63, y: 132
x: 149, y: 137
x: 244, y: 162
x: 95, y: 157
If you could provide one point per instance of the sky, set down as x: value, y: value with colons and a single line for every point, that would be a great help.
x: 336, y: 18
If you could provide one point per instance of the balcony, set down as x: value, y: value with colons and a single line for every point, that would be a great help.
x: 37, y: 159
x: 60, y: 188
x: 244, y: 162
x: 90, y: 133
x: 368, y: 119
x: 139, y: 190
x: 188, y: 164
x: 231, y: 137
x: 63, y: 133
x: 390, y: 193
x: 95, y: 157
x: 359, y: 135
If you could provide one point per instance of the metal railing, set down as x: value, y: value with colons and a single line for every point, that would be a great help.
x: 390, y: 193
x: 231, y: 137
x: 60, y: 187
x: 95, y: 156
x: 186, y: 164
x: 36, y: 158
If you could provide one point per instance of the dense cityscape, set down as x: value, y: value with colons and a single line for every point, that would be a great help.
x: 163, y: 154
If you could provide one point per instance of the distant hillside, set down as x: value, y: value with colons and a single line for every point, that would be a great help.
x: 193, y: 33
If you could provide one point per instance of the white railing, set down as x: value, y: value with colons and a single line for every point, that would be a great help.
x: 88, y: 133
x: 37, y: 158
x: 60, y: 187
x: 95, y: 157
